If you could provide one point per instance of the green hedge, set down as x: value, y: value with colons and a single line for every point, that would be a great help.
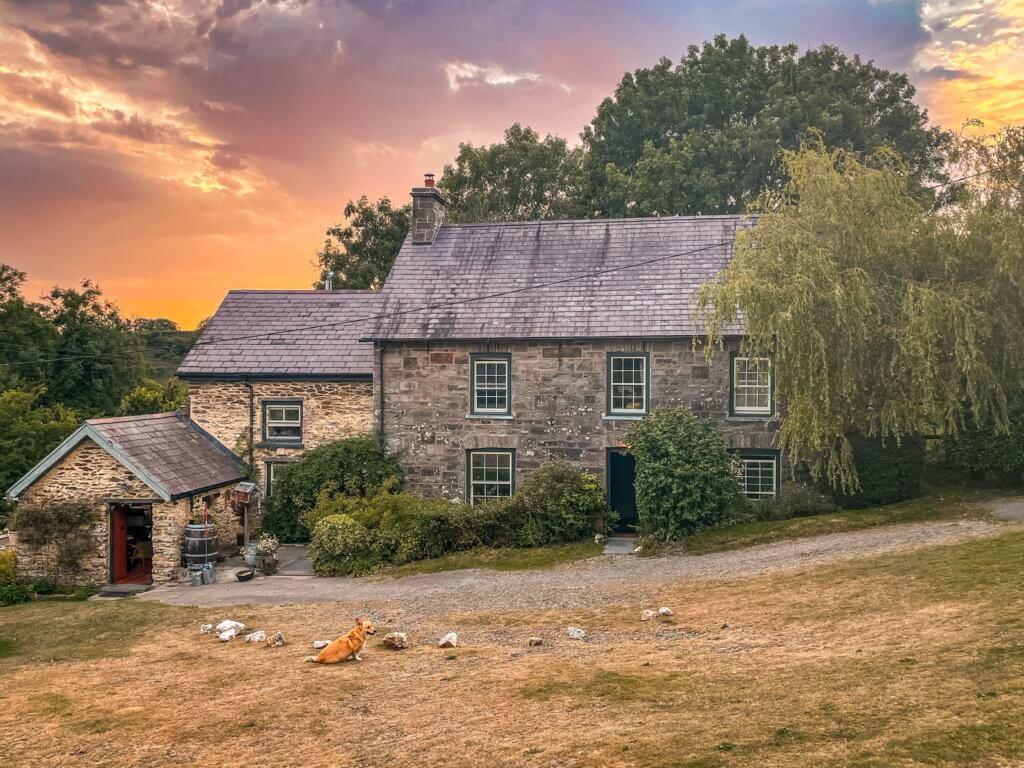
x: 557, y: 504
x: 980, y: 449
x: 888, y: 472
x: 686, y: 478
x: 356, y: 467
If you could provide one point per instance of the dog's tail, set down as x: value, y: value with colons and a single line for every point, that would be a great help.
x: 311, y: 658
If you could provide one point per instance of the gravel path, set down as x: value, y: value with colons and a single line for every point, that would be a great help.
x: 599, y: 580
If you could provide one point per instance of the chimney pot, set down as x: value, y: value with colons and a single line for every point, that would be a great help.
x: 428, y: 180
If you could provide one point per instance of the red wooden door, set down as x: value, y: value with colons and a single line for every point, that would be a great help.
x: 118, y: 543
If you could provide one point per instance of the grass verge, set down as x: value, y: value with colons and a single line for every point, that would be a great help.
x: 500, y: 559
x: 945, y: 505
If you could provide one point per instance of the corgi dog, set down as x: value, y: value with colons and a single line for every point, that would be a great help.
x: 347, y: 646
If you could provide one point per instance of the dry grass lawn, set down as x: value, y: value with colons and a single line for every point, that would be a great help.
x: 903, y: 660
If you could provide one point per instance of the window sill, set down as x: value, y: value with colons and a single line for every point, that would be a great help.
x: 623, y: 417
x: 750, y: 417
x: 280, y: 444
x: 501, y: 416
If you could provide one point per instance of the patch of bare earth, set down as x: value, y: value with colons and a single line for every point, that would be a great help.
x: 865, y: 662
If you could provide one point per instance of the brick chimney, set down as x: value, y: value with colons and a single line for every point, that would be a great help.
x: 427, y: 211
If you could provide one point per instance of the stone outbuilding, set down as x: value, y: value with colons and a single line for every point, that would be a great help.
x: 148, y: 477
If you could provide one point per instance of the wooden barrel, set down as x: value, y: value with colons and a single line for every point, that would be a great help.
x: 200, y: 544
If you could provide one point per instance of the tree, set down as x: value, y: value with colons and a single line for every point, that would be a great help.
x: 705, y: 136
x: 28, y: 339
x: 360, y: 252
x: 519, y: 179
x: 153, y: 397
x: 28, y: 431
x: 99, y: 359
x: 147, y: 324
x: 883, y: 320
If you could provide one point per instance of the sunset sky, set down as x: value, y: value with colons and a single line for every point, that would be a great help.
x: 173, y: 149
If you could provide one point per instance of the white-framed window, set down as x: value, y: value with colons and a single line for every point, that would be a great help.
x: 491, y: 474
x: 490, y: 385
x: 627, y: 383
x: 273, y: 468
x: 282, y: 421
x: 759, y: 476
x: 752, y: 386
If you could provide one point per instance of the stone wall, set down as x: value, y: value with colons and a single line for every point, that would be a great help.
x: 89, y: 473
x: 558, y: 405
x: 331, y: 410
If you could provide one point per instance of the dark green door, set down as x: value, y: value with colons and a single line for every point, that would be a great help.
x: 621, y: 494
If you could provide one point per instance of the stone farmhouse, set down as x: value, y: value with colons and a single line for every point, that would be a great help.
x: 490, y: 350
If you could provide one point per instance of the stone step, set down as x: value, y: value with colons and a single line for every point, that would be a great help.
x: 620, y: 545
x: 116, y: 591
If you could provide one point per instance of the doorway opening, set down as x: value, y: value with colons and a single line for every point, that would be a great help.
x: 620, y: 471
x: 131, y: 543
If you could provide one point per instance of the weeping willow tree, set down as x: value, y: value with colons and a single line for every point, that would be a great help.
x: 884, y: 316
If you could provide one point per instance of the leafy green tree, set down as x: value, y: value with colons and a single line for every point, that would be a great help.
x: 361, y: 251
x: 522, y: 178
x: 705, y: 136
x: 883, y: 320
x: 98, y: 358
x: 153, y: 397
x: 28, y: 431
x: 27, y: 339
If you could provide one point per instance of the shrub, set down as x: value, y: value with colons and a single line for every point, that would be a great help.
x: 888, y: 472
x: 44, y: 586
x: 357, y: 466
x: 981, y: 449
x: 340, y: 546
x: 557, y: 504
x: 64, y: 525
x: 686, y: 479
x: 8, y: 566
x: 792, y: 501
x: 13, y: 592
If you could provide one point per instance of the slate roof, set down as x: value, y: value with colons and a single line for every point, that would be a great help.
x: 466, y: 261
x: 167, y: 451
x: 286, y: 346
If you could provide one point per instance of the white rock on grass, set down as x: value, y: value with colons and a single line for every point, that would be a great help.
x: 663, y: 611
x: 227, y: 624
x: 259, y: 636
x: 451, y: 640
x: 206, y: 629
x: 395, y: 641
x: 227, y: 634
x: 318, y: 644
x: 575, y: 633
x: 647, y: 615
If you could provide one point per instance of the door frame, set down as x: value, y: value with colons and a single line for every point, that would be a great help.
x: 608, y: 451
x: 119, y: 509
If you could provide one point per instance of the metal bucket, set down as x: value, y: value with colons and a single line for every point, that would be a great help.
x: 196, y: 577
x: 208, y: 574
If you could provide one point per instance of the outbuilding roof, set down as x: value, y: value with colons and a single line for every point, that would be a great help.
x: 285, y: 334
x: 168, y: 452
x: 595, y: 278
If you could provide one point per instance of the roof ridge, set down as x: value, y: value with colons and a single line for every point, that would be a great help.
x: 613, y: 220
x: 305, y: 291
x: 135, y: 417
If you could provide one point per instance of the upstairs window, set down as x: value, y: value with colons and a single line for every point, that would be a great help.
x: 759, y: 475
x: 627, y: 384
x: 490, y: 385
x: 282, y: 422
x: 752, y: 386
x: 491, y: 474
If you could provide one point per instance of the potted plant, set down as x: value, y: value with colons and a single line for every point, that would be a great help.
x: 266, y: 552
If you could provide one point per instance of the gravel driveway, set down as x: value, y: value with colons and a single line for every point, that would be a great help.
x: 599, y: 580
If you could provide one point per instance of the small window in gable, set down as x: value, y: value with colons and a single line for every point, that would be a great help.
x: 282, y: 422
x: 752, y: 386
x: 490, y: 385
x: 627, y: 384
